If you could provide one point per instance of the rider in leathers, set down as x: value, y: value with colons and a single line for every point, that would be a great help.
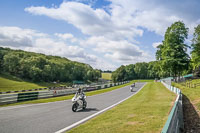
x: 81, y: 94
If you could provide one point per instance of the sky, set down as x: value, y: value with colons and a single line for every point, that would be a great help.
x: 102, y: 33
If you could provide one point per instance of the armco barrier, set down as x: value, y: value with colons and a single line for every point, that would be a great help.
x: 8, y: 98
x: 18, y: 97
x: 45, y: 94
x: 98, y: 87
x: 102, y: 86
x: 174, y: 122
x: 27, y: 96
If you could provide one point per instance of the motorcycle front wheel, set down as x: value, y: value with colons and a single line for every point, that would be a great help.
x: 74, y: 107
x: 84, y: 105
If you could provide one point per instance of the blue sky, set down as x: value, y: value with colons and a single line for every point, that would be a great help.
x: 104, y: 34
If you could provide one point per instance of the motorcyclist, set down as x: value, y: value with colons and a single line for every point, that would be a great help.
x: 81, y: 94
x: 79, y: 100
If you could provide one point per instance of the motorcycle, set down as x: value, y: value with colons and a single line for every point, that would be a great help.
x: 79, y: 102
x: 132, y: 87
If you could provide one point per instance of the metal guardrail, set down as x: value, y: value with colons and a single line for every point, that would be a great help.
x: 174, y: 122
x: 18, y: 97
x: 8, y: 98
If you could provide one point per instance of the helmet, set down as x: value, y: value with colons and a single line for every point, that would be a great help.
x: 79, y: 90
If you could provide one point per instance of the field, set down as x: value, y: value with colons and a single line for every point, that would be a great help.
x: 106, y: 76
x: 147, y: 111
x: 11, y: 83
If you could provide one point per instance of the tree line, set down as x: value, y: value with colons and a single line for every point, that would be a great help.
x: 172, y: 58
x: 39, y: 67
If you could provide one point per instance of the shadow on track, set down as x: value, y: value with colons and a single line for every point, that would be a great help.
x: 134, y: 91
x: 88, y: 110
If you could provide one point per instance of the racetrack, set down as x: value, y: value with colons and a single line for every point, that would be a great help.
x: 52, y: 117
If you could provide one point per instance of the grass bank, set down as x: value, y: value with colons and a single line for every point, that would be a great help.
x: 61, y: 98
x: 147, y: 111
x: 192, y: 93
x: 12, y: 83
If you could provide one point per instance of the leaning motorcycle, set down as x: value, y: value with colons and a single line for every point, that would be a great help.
x: 79, y: 102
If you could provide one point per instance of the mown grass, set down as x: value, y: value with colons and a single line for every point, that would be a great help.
x: 12, y: 83
x: 192, y: 93
x: 61, y: 98
x: 192, y: 83
x: 146, y: 112
x: 106, y: 76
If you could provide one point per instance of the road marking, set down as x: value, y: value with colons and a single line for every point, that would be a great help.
x: 93, y: 115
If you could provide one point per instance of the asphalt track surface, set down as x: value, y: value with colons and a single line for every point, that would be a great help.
x: 54, y: 116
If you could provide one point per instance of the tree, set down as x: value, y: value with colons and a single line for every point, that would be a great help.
x: 39, y: 67
x: 141, y: 70
x: 153, y: 70
x: 11, y: 63
x: 119, y: 74
x: 130, y: 72
x: 174, y: 59
x: 196, y: 51
x: 159, y: 52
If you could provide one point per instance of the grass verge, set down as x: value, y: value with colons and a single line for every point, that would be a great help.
x: 147, y: 111
x: 61, y: 98
x: 12, y: 83
x: 192, y: 93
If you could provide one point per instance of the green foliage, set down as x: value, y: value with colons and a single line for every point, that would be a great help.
x: 39, y: 67
x: 119, y: 74
x: 136, y: 71
x: 172, y: 53
x: 130, y: 72
x: 159, y: 52
x: 196, y: 50
x: 141, y: 70
x: 153, y: 69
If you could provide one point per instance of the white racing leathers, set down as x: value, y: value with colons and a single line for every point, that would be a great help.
x: 79, y: 101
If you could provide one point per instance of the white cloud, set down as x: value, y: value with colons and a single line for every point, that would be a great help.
x: 31, y: 40
x: 123, y: 18
x: 155, y: 44
x: 94, y: 22
x: 156, y: 15
x: 66, y: 36
x: 16, y: 37
x: 109, y: 31
x: 117, y: 51
x: 112, y: 31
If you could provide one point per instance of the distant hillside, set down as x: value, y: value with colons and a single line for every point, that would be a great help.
x: 39, y: 67
x: 106, y: 76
